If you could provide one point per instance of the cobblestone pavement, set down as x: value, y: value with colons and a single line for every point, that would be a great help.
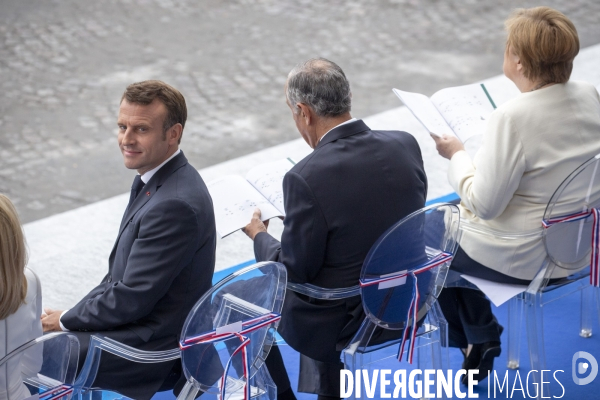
x: 65, y: 63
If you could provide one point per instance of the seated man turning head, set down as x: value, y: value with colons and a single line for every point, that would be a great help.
x: 163, y: 258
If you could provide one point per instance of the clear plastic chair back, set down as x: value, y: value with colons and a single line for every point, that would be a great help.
x: 568, y: 243
x: 47, y: 367
x: 248, y: 294
x: 406, y: 247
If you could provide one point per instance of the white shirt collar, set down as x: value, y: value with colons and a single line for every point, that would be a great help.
x: 343, y: 123
x: 148, y: 175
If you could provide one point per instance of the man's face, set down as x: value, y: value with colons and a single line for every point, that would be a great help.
x: 142, y: 141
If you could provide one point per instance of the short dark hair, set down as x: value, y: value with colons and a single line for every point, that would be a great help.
x: 320, y: 84
x: 545, y: 40
x: 146, y: 92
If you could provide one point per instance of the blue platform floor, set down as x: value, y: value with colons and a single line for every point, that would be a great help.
x: 561, y: 337
x: 561, y: 322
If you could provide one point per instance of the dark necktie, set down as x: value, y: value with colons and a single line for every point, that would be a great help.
x: 137, y: 185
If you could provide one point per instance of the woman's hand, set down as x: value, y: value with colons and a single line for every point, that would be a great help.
x: 447, y: 145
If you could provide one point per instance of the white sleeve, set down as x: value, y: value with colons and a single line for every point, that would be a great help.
x: 60, y: 323
x: 487, y: 184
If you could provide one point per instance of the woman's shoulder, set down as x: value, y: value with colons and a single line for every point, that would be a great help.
x: 580, y: 85
x: 550, y: 97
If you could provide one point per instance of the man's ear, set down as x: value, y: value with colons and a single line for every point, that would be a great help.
x: 305, y: 112
x: 174, y: 133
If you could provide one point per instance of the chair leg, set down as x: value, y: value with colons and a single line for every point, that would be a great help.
x: 439, y: 340
x: 355, y: 359
x: 535, y: 341
x: 264, y: 385
x: 189, y: 392
x: 587, y: 312
x: 515, y: 312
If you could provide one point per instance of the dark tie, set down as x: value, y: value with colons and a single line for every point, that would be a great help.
x: 137, y: 185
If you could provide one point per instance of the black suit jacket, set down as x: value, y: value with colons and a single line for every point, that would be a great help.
x: 338, y: 201
x: 161, y: 264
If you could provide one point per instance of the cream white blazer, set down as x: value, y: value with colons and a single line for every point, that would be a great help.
x: 15, y: 330
x: 531, y: 144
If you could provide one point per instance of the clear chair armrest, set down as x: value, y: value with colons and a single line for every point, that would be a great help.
x: 467, y: 226
x: 99, y: 343
x: 131, y: 353
x: 320, y: 293
x: 29, y: 344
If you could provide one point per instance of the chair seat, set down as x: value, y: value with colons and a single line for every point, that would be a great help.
x: 557, y: 284
x: 425, y: 329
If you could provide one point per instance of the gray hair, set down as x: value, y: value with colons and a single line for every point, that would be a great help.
x: 320, y: 84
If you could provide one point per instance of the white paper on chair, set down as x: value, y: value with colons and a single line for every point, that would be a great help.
x: 498, y: 293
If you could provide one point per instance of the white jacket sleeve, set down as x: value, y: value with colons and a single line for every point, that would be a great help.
x: 486, y: 184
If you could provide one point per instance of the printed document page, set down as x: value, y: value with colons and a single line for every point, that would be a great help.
x: 424, y: 110
x: 234, y: 200
x: 268, y: 180
x: 466, y: 109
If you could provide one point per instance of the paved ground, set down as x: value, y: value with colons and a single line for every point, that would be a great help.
x: 64, y: 64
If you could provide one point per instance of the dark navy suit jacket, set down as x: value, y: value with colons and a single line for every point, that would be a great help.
x: 338, y: 201
x: 161, y: 264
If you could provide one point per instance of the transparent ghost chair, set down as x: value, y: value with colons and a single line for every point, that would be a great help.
x: 43, y: 367
x: 224, y: 342
x: 400, y: 280
x: 569, y: 231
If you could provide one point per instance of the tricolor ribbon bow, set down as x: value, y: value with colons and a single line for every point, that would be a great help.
x: 239, y: 330
x: 56, y: 392
x: 595, y: 256
x: 413, y: 308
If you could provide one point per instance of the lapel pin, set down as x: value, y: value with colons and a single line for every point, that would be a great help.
x: 147, y: 193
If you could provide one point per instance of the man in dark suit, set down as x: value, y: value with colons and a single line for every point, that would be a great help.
x: 164, y: 256
x: 338, y: 201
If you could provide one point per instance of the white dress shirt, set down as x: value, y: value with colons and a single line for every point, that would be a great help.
x: 343, y: 123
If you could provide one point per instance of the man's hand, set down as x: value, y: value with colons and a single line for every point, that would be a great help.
x: 50, y: 320
x: 256, y: 225
x: 447, y: 146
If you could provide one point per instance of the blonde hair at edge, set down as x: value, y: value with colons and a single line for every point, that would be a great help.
x: 13, y: 257
x: 545, y: 40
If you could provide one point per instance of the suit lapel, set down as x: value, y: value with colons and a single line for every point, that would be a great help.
x: 343, y: 131
x: 150, y: 189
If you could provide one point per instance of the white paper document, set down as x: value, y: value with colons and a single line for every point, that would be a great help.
x: 235, y: 198
x: 461, y: 111
x: 498, y: 293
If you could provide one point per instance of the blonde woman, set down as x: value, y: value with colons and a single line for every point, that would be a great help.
x: 530, y: 145
x: 20, y: 301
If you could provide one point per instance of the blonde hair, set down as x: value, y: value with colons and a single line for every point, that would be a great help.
x: 13, y: 257
x: 545, y: 40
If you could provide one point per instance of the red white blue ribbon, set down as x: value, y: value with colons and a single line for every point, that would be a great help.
x: 56, y: 392
x: 595, y: 255
x: 410, y: 332
x: 248, y: 326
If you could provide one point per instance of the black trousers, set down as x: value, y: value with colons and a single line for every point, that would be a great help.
x: 468, y: 311
x: 315, y: 376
